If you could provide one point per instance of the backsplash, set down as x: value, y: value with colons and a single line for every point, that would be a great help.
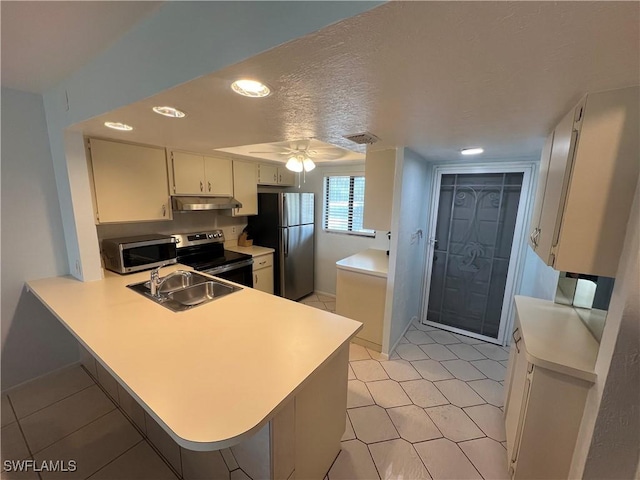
x: 181, y: 223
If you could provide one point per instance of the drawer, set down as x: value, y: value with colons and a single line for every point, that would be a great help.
x: 263, y: 261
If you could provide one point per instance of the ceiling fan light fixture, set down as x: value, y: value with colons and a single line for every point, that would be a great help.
x: 295, y: 164
x: 171, y: 112
x: 250, y: 88
x: 308, y: 164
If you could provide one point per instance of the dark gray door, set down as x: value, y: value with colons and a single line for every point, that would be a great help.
x: 296, y: 261
x: 474, y: 232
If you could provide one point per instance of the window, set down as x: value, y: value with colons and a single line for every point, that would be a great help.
x: 344, y: 205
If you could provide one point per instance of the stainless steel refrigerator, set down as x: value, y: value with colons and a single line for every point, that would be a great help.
x: 285, y: 222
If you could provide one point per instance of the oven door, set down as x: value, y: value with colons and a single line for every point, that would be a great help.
x: 238, y: 272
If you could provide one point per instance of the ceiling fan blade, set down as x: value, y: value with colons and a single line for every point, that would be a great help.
x: 273, y: 153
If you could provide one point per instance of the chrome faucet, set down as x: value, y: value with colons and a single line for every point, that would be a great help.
x: 156, y: 281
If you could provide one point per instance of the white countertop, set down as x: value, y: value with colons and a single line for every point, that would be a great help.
x: 254, y: 250
x: 212, y: 375
x: 555, y: 338
x: 370, y: 262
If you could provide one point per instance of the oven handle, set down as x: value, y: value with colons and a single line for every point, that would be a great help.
x: 228, y: 268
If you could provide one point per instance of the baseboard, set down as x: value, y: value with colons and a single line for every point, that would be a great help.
x: 405, y: 331
x: 22, y: 384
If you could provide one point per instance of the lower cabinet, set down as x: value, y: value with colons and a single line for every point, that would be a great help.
x: 362, y: 297
x: 543, y: 411
x: 263, y: 273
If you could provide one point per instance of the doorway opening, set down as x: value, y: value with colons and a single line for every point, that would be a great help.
x: 473, y: 258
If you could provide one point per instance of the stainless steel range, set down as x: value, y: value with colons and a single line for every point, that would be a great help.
x: 204, y: 252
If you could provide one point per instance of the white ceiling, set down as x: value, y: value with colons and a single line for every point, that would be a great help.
x: 433, y: 76
x: 44, y: 42
x: 318, y: 151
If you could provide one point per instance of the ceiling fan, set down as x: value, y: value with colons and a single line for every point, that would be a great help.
x: 301, y: 153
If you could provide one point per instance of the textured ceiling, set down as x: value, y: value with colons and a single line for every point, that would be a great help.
x: 44, y: 42
x: 433, y: 76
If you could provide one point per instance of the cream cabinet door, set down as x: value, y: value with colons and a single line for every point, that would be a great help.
x: 188, y: 173
x: 556, y: 188
x: 130, y: 182
x: 267, y: 174
x: 263, y: 280
x: 380, y: 167
x: 286, y: 177
x: 218, y: 175
x: 245, y: 188
x: 263, y: 273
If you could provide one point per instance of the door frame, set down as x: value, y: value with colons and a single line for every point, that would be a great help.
x: 518, y: 246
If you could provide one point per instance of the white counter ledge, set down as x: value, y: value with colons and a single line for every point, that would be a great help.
x: 254, y: 250
x: 211, y: 376
x: 555, y: 338
x: 370, y: 262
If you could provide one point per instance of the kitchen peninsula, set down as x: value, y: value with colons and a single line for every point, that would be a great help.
x: 214, y: 376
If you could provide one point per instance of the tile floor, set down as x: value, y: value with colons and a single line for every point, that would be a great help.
x: 65, y: 416
x: 433, y: 410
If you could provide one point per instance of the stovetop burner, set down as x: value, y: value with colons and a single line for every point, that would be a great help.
x: 205, y: 250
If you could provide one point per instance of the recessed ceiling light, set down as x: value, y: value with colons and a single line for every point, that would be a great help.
x: 250, y: 88
x: 169, y: 112
x: 118, y: 126
x: 471, y: 151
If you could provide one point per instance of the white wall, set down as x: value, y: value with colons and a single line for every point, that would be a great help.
x: 178, y: 42
x: 608, y: 444
x: 331, y: 247
x: 538, y: 279
x: 33, y: 341
x: 410, y: 253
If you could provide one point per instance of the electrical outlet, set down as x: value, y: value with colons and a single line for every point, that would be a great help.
x: 233, y: 230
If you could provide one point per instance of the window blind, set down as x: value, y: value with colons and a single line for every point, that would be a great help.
x: 344, y: 205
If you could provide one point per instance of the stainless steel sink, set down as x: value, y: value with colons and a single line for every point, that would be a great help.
x: 181, y: 290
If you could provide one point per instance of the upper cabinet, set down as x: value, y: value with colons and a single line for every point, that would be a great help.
x: 130, y: 182
x: 380, y: 167
x: 267, y: 174
x: 245, y: 188
x: 273, y: 175
x: 195, y: 174
x: 588, y: 173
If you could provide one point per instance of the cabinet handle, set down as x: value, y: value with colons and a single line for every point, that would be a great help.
x: 201, y: 186
x: 209, y: 185
x: 256, y: 277
x: 275, y: 177
x: 164, y: 210
x: 262, y: 263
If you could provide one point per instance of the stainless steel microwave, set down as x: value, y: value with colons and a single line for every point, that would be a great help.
x: 133, y: 254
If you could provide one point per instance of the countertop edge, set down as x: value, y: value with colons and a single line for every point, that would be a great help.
x: 538, y: 333
x: 185, y: 443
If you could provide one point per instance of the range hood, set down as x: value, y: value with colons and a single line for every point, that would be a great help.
x: 194, y: 204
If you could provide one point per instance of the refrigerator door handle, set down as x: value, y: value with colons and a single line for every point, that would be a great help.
x: 285, y: 212
x: 285, y: 231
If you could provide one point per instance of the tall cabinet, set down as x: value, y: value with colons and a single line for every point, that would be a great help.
x: 551, y: 369
x: 588, y: 173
